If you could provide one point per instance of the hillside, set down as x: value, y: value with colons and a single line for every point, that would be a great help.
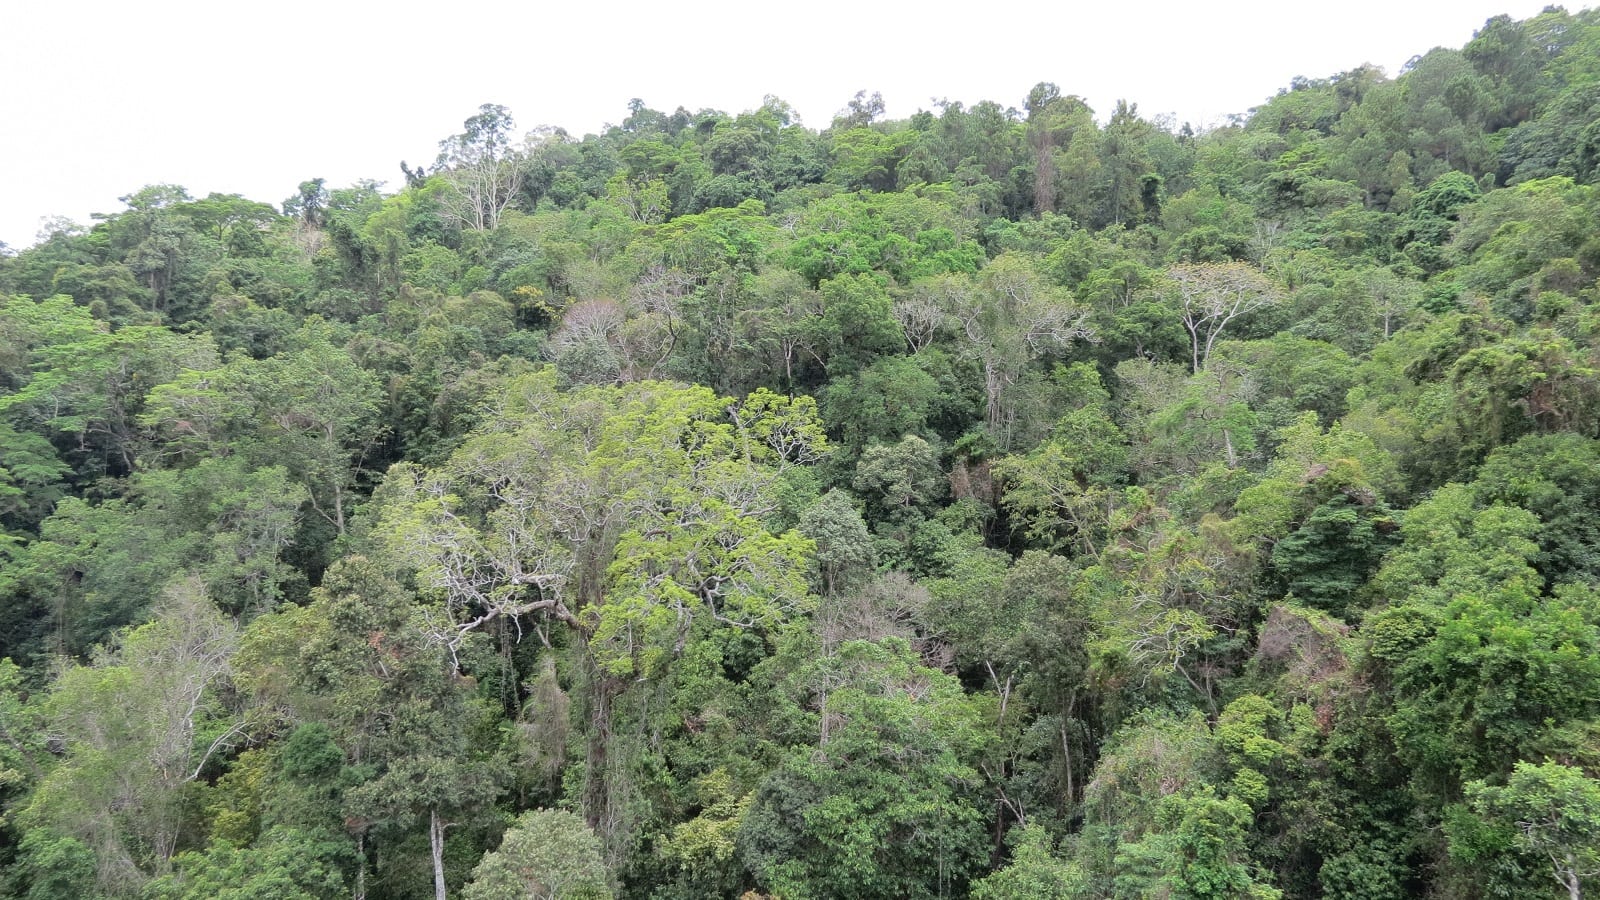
x: 999, y: 502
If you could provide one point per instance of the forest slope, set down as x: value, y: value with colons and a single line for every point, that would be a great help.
x: 997, y: 503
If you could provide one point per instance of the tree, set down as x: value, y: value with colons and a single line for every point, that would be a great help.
x: 1154, y: 756
x: 482, y: 168
x: 238, y: 522
x: 1061, y: 491
x: 1198, y: 851
x: 308, y: 206
x: 631, y: 516
x: 857, y: 322
x: 51, y: 865
x: 90, y: 382
x: 30, y: 478
x: 1211, y: 296
x: 1035, y: 873
x: 1319, y: 514
x: 844, y: 547
x: 898, y: 478
x: 318, y: 417
x: 1548, y: 475
x: 138, y: 725
x: 893, y: 397
x: 1209, y: 418
x: 160, y: 247
x: 1537, y: 382
x: 1061, y: 130
x: 1131, y: 187
x: 886, y: 806
x: 1487, y: 666
x: 1550, y: 810
x: 549, y: 854
x: 360, y: 659
x: 286, y: 865
x: 1004, y: 319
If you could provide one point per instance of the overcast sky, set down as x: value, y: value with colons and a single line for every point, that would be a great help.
x: 100, y: 98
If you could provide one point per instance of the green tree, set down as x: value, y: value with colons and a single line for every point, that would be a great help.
x: 1034, y: 872
x: 90, y: 382
x: 547, y: 854
x: 1199, y: 849
x: 51, y: 865
x: 899, y: 478
x: 1062, y: 490
x: 317, y: 412
x: 359, y: 659
x: 630, y: 516
x: 31, y: 476
x: 844, y: 547
x: 1004, y: 319
x: 139, y: 725
x: 483, y: 169
x: 1131, y: 187
x: 1548, y: 811
x: 885, y: 807
x: 287, y: 865
x: 1064, y: 139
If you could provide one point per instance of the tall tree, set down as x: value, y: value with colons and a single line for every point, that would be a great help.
x: 482, y: 167
x: 138, y: 725
x: 632, y: 516
x: 1212, y: 296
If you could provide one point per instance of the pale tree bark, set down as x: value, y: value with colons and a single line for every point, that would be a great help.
x: 436, y: 828
x: 1007, y: 321
x: 1213, y: 295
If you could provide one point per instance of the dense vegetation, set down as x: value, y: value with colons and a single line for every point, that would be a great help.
x: 994, y: 503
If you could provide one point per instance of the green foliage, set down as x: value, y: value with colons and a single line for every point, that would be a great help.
x: 94, y: 569
x: 884, y: 807
x: 1548, y: 813
x: 1498, y: 672
x: 1549, y: 475
x: 1034, y: 872
x: 1197, y: 850
x: 139, y: 726
x: 31, y: 476
x: 286, y: 864
x: 90, y: 382
x: 844, y: 552
x: 1320, y: 512
x: 546, y: 853
x: 899, y: 478
x: 52, y: 865
x: 1328, y: 557
x: 1179, y: 513
x: 703, y: 851
x: 900, y: 234
x: 1061, y: 488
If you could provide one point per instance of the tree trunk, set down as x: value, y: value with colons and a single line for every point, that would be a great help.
x: 1066, y: 759
x: 338, y: 508
x: 994, y: 411
x: 597, y: 786
x: 510, y: 700
x: 1568, y: 876
x: 436, y: 842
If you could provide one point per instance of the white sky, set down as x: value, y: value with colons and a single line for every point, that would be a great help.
x: 98, y: 99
